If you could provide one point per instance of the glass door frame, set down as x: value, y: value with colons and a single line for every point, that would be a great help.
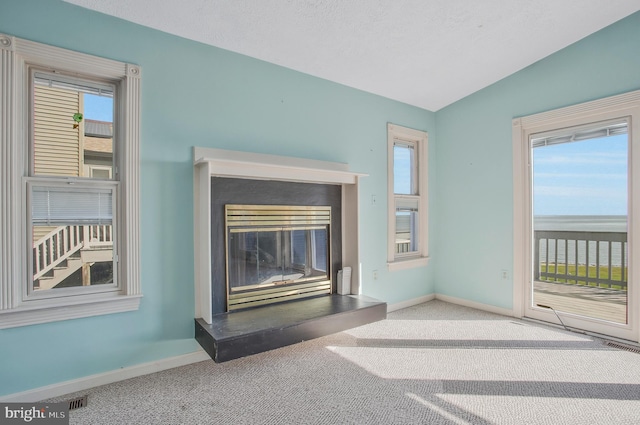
x: 625, y: 106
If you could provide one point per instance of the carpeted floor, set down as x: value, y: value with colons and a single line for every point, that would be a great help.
x: 435, y: 363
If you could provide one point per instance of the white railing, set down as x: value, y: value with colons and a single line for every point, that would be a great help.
x: 402, y: 246
x: 97, y: 236
x: 582, y: 258
x: 64, y: 241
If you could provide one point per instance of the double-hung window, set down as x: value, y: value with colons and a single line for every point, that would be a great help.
x: 407, y: 199
x: 71, y: 213
x: 70, y: 151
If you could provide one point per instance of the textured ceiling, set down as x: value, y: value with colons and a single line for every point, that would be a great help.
x: 427, y: 53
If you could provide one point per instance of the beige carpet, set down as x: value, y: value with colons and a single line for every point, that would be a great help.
x: 435, y: 363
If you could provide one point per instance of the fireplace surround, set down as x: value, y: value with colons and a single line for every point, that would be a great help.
x: 223, y: 177
x: 227, y: 192
x: 301, y: 254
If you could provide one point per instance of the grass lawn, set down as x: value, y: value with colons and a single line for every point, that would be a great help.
x: 573, y: 276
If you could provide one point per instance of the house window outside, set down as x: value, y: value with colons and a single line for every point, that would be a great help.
x: 70, y: 239
x: 407, y: 199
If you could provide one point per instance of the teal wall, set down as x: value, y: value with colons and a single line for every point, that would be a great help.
x: 195, y: 95
x: 474, y: 201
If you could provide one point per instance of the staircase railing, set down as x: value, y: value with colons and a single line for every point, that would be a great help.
x: 64, y: 241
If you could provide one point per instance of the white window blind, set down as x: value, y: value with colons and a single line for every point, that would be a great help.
x: 592, y: 133
x: 64, y: 206
x: 69, y: 83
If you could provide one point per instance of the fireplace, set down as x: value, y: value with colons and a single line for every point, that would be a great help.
x: 276, y: 253
x: 273, y: 259
x: 269, y: 229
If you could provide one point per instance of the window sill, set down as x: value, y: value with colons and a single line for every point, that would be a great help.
x: 409, y: 263
x: 30, y: 315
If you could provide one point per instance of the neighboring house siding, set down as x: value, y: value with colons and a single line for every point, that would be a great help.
x: 40, y: 231
x: 57, y: 145
x: 98, y: 144
x: 98, y: 149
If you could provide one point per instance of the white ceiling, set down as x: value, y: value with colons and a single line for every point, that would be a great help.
x: 427, y: 53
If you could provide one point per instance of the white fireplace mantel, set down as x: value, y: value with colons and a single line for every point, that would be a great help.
x: 234, y: 164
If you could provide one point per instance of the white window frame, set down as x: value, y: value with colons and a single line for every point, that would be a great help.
x: 17, y: 57
x: 418, y: 139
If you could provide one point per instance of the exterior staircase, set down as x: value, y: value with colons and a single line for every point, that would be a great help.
x: 65, y: 249
x: 59, y: 273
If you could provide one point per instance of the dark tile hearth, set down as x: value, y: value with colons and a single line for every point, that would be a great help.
x: 242, y: 333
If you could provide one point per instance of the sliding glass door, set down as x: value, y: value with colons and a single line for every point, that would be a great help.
x: 576, y: 216
x: 579, y: 216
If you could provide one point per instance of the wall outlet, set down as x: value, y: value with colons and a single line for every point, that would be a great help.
x: 375, y: 275
x: 504, y: 274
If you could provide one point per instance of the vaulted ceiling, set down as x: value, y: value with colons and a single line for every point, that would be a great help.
x: 427, y: 53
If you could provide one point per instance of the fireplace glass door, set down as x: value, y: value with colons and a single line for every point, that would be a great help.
x: 269, y: 257
x: 276, y: 253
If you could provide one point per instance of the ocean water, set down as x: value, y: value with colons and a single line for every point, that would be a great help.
x: 590, y: 223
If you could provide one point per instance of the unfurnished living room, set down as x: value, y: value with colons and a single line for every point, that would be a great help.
x: 319, y: 212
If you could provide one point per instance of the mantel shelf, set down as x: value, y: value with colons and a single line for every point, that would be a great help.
x: 225, y: 163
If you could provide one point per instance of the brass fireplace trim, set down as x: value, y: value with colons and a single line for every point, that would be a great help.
x: 276, y: 215
x: 276, y: 226
x: 257, y: 298
x: 244, y: 218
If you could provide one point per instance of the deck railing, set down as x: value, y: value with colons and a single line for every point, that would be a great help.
x: 581, y: 257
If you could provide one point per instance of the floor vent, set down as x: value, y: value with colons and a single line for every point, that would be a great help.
x: 623, y: 347
x: 78, y: 402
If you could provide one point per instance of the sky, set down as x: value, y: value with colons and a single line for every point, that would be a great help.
x: 587, y: 177
x: 98, y: 108
x: 402, y: 160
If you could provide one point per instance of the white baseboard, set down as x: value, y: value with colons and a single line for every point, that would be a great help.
x: 477, y: 306
x: 81, y: 384
x: 410, y: 303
